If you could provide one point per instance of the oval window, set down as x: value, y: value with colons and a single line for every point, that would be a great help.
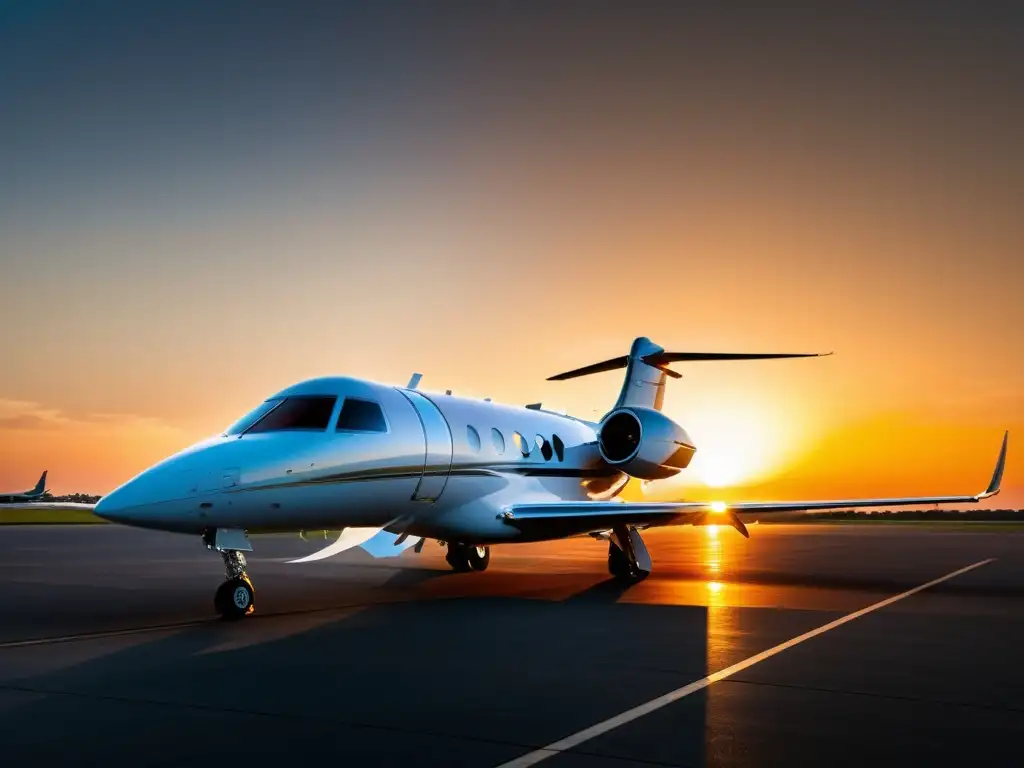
x: 499, y: 441
x: 556, y: 441
x: 545, y: 447
x: 473, y: 438
x: 521, y: 444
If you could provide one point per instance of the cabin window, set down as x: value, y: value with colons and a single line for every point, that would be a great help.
x: 473, y: 438
x: 306, y: 413
x: 545, y: 447
x: 521, y: 443
x: 499, y: 441
x: 253, y: 416
x: 361, y: 416
x: 559, y: 446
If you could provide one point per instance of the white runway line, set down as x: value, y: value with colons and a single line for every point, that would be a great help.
x: 569, y: 742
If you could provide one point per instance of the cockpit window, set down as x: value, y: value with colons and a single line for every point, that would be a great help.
x: 306, y: 412
x: 361, y: 416
x: 253, y: 416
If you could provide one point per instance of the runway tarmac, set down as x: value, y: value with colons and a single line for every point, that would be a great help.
x: 109, y: 649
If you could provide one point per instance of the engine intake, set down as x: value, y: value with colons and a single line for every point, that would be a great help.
x: 644, y: 443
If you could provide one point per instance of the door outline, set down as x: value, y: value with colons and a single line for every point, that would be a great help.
x: 437, y: 462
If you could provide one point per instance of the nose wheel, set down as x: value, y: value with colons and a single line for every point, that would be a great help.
x: 236, y: 597
x: 465, y: 557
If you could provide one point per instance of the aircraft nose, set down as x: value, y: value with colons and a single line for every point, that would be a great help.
x: 144, y: 501
x: 118, y: 505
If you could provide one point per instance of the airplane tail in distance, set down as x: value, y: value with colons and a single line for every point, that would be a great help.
x: 41, y: 485
x: 647, y: 368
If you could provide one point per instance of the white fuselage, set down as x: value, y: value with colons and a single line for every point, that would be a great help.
x: 439, y: 466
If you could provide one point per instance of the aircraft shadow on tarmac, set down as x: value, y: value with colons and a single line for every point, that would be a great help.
x: 448, y: 682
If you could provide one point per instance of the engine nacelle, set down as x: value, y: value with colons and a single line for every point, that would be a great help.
x: 644, y: 443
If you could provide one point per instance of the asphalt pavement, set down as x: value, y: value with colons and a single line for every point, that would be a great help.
x: 109, y: 649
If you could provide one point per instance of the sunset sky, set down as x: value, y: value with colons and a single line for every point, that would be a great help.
x: 200, y: 206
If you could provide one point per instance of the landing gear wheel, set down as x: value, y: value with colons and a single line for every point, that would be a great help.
x: 235, y: 598
x: 457, y: 558
x: 618, y: 563
x: 478, y: 557
x: 621, y: 568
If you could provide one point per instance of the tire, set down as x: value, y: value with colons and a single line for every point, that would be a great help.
x: 235, y: 599
x: 220, y: 598
x: 478, y: 557
x: 619, y: 565
x: 458, y: 557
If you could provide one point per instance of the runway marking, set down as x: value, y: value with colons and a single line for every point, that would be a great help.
x: 569, y: 742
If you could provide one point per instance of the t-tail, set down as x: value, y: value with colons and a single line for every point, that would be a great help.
x: 647, y: 368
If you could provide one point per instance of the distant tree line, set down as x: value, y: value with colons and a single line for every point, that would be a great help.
x: 919, y: 514
x: 78, y: 498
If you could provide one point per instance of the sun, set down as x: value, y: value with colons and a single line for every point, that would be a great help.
x: 737, y: 442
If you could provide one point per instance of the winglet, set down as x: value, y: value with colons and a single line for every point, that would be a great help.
x: 997, y: 475
x: 736, y: 523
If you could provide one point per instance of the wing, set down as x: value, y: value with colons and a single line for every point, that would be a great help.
x: 349, y: 538
x: 558, y: 519
x: 377, y: 541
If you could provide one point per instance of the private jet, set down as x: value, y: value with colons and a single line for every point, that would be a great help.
x: 393, y: 466
x: 39, y: 492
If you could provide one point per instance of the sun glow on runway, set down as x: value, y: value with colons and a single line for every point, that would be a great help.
x: 713, y: 551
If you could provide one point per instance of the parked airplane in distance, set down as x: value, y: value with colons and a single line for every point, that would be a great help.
x: 39, y: 492
x: 393, y: 466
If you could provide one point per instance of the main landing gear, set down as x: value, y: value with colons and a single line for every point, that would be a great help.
x: 628, y: 560
x: 236, y: 597
x: 466, y: 557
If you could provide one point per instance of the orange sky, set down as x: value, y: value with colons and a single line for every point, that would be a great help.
x: 497, y: 201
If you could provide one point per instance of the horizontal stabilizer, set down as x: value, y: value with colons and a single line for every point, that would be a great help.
x: 661, y: 359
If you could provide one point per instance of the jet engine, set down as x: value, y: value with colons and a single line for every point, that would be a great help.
x: 644, y: 443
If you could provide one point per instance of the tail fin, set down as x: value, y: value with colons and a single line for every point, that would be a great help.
x: 647, y: 366
x: 41, y: 485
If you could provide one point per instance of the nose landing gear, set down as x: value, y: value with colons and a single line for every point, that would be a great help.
x: 236, y: 597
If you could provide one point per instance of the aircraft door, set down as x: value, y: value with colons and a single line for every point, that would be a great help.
x: 438, y: 438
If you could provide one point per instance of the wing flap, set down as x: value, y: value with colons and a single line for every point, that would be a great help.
x: 559, y: 519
